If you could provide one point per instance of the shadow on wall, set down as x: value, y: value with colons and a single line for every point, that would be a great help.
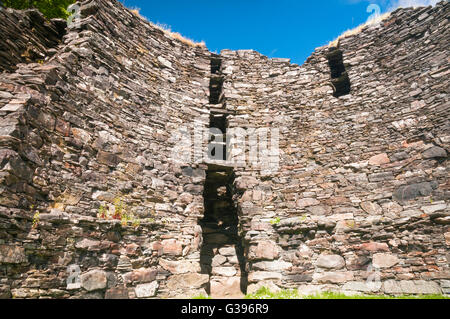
x: 222, y: 245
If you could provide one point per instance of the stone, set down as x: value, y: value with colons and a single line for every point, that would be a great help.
x: 11, y: 107
x: 381, y: 177
x: 371, y: 208
x: 218, y: 260
x: 81, y: 136
x: 434, y: 208
x: 447, y: 238
x: 382, y: 260
x: 391, y: 208
x: 142, y: 275
x: 333, y: 277
x: 10, y: 254
x: 5, y: 292
x: 94, y: 280
x: 190, y: 280
x: 413, y: 191
x: 306, y: 202
x: 267, y: 250
x: 380, y: 159
x: 132, y: 250
x: 164, y: 62
x: 256, y: 276
x: 117, y: 293
x: 227, y: 251
x: 405, y: 287
x: 226, y: 288
x: 319, y: 210
x: 109, y: 159
x: 359, y: 286
x: 146, y: 290
x: 179, y: 267
x: 224, y: 271
x: 88, y: 244
x: 272, y: 287
x: 310, y: 290
x: 172, y: 247
x: 418, y: 105
x: 373, y: 246
x: 330, y: 262
x: 103, y: 196
x: 124, y: 263
x: 434, y: 152
x: 298, y: 278
x: 272, y: 265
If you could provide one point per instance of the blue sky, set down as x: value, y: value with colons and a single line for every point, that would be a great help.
x: 276, y: 28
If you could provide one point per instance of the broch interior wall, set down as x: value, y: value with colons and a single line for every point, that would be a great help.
x: 87, y: 127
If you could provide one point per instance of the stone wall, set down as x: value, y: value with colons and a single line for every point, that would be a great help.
x: 362, y: 190
x: 27, y: 37
x: 91, y: 129
x: 363, y: 178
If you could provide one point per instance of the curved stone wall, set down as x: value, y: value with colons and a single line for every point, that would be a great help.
x: 362, y: 189
x: 89, y: 129
x: 360, y: 196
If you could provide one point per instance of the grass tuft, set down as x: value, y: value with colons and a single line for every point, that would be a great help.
x: 166, y: 29
x: 201, y: 297
x: 265, y: 293
x: 359, y: 28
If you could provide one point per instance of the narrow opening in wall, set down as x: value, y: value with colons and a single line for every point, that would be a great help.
x: 217, y: 139
x: 339, y: 76
x: 216, y: 64
x: 222, y: 253
x: 216, y: 82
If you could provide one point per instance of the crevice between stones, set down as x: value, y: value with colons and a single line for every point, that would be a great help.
x: 222, y: 253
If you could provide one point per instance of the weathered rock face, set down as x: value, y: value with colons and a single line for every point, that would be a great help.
x: 27, y: 37
x: 362, y: 190
x: 91, y: 127
x: 359, y: 202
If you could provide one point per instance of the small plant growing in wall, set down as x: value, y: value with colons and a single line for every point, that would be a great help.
x: 119, y: 213
x: 119, y: 210
x: 275, y: 221
x: 350, y: 223
x: 136, y: 222
x: 103, y: 212
x: 36, y: 218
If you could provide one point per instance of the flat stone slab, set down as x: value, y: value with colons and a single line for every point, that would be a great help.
x: 330, y: 262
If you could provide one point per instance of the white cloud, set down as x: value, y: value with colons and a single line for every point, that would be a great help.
x: 394, y: 4
x: 391, y: 5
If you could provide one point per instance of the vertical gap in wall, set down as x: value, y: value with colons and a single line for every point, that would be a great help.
x: 339, y: 76
x: 222, y: 253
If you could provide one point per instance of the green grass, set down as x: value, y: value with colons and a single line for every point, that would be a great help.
x: 265, y: 293
x: 331, y: 295
x: 202, y: 297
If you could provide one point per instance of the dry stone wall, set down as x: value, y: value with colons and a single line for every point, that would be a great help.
x: 362, y: 190
x: 91, y: 128
x: 360, y: 196
x: 27, y: 37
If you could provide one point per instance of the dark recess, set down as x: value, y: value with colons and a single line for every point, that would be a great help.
x: 339, y: 76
